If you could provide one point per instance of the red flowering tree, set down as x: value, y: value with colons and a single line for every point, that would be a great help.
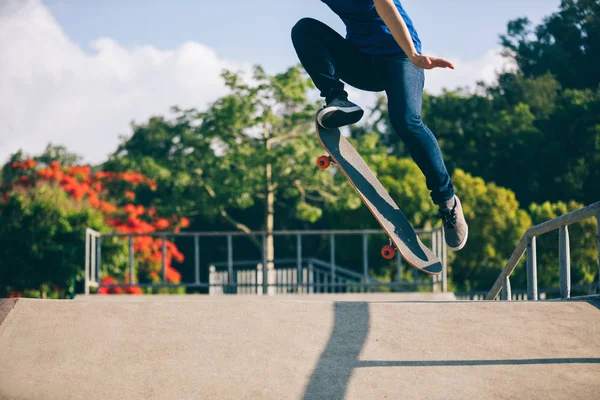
x: 113, y: 195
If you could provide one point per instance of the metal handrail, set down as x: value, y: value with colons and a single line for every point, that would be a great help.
x: 528, y: 244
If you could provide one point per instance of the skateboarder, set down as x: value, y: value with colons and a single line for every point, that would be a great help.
x: 381, y: 52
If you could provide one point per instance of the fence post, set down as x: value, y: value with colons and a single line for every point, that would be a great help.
x: 211, y: 280
x: 311, y: 278
x: 265, y: 270
x: 259, y: 279
x: 332, y: 258
x: 565, y: 262
x: 444, y: 261
x: 230, y: 278
x: 93, y: 258
x: 130, y: 259
x: 440, y: 242
x: 365, y: 261
x: 506, y: 291
x: 299, y: 262
x: 598, y: 239
x: 197, y: 259
x: 434, y: 247
x: 399, y: 270
x: 531, y: 268
x: 87, y: 261
x: 99, y: 258
x: 164, y: 258
x: 416, y: 279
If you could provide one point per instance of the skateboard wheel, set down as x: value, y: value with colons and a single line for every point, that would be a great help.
x: 323, y: 162
x: 388, y: 252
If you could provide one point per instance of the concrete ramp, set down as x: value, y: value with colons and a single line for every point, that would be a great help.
x: 311, y: 347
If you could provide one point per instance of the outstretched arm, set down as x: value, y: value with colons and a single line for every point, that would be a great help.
x: 389, y: 13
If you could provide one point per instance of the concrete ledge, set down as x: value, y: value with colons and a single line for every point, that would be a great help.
x: 328, y: 297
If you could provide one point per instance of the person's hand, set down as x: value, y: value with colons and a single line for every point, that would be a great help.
x: 426, y: 62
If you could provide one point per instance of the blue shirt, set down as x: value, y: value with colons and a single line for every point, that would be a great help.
x: 365, y: 28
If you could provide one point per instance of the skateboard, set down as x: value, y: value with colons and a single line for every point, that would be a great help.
x: 403, y: 237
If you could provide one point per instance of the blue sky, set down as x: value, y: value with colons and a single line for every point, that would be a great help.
x: 257, y: 31
x: 78, y: 72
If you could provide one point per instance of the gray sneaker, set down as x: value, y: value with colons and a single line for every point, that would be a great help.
x: 456, y: 229
x: 339, y: 112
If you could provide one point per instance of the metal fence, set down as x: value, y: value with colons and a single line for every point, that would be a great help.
x: 527, y: 244
x: 315, y: 277
x: 302, y: 274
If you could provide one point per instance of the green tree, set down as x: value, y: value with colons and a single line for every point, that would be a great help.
x: 566, y: 44
x: 495, y: 140
x: 571, y: 156
x: 42, y: 233
x: 51, y: 153
x: 249, y: 156
x: 496, y: 224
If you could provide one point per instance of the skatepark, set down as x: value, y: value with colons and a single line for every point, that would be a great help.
x: 289, y: 340
x: 367, y: 199
x: 394, y: 346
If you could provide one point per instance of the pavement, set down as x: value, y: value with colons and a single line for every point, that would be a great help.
x: 360, y: 346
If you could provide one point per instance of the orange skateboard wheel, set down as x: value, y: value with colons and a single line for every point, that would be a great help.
x: 388, y: 252
x: 323, y: 162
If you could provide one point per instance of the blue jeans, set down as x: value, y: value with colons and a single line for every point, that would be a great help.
x: 330, y: 59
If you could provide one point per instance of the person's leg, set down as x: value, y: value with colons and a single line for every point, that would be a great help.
x: 329, y: 59
x: 404, y: 87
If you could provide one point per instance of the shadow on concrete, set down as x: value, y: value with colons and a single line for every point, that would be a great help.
x: 330, y: 378
x: 340, y: 357
x: 593, y: 300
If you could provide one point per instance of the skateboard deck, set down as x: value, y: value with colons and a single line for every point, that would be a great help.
x: 379, y: 202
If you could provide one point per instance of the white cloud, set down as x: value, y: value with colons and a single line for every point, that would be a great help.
x: 467, y: 73
x: 52, y: 91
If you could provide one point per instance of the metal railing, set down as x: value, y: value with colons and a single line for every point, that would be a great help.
x: 93, y: 259
x: 527, y: 244
x: 586, y: 289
